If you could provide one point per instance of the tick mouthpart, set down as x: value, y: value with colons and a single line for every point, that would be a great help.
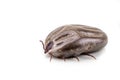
x: 49, y: 46
x: 45, y: 51
x: 42, y: 44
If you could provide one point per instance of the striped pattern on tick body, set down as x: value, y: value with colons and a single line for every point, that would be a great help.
x: 71, y: 41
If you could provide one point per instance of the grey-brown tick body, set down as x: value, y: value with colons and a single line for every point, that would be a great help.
x: 74, y: 40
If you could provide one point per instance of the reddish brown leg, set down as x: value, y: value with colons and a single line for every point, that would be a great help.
x: 42, y: 44
x: 77, y: 58
x: 90, y: 55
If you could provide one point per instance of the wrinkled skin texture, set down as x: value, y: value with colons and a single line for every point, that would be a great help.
x: 73, y: 40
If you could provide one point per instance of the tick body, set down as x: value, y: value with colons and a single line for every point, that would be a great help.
x: 71, y: 41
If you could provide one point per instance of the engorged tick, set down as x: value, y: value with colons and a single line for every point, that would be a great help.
x: 71, y: 41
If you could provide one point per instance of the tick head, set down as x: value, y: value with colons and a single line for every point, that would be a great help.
x: 49, y: 46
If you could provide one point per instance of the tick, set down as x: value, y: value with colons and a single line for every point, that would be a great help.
x: 72, y: 41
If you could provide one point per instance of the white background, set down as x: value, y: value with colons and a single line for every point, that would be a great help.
x: 24, y: 22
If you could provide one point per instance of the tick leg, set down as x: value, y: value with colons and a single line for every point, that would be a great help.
x: 89, y: 55
x: 64, y: 59
x: 42, y: 44
x: 77, y: 58
x: 50, y: 58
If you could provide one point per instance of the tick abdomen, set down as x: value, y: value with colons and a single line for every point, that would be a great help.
x: 73, y: 40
